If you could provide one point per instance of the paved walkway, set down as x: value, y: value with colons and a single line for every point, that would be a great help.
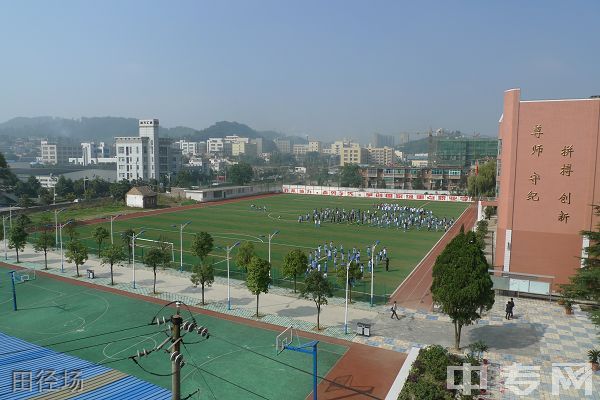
x: 539, y: 335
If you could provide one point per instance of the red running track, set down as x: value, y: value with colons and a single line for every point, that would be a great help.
x: 414, y: 291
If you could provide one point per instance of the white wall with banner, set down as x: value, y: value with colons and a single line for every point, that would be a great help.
x: 391, y: 194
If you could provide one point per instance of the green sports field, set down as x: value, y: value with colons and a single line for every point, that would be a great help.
x: 237, y: 361
x: 238, y: 221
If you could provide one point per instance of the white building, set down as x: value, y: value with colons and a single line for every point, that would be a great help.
x: 214, y: 145
x: 59, y: 152
x: 141, y: 197
x: 191, y: 148
x: 92, y: 151
x: 146, y: 156
x: 300, y: 149
x: 315, y: 146
x: 284, y: 146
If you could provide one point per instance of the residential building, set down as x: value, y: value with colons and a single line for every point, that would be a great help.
x: 353, y: 154
x: 383, y: 140
x: 416, y: 178
x: 214, y: 145
x: 92, y: 151
x: 403, y: 138
x: 283, y: 145
x: 235, y: 139
x: 59, y: 152
x: 243, y: 148
x: 300, y: 149
x: 315, y: 146
x: 381, y: 156
x: 548, y: 183
x: 259, y: 145
x: 190, y: 148
x: 146, y: 156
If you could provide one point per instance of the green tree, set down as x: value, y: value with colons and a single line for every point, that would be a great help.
x: 126, y: 238
x: 77, y: 253
x: 63, y: 186
x: 461, y: 285
x: 100, y: 234
x: 203, y: 275
x: 17, y: 238
x: 258, y: 278
x: 317, y: 288
x: 488, y: 211
x: 46, y: 196
x: 294, y: 264
x: 113, y: 254
x: 585, y: 283
x: 71, y: 230
x: 44, y: 241
x: 23, y: 220
x: 202, y: 245
x: 25, y: 201
x: 244, y: 255
x: 350, y: 176
x: 354, y: 274
x: 481, y: 231
x: 240, y: 173
x: 118, y: 190
x: 157, y: 256
x: 484, y: 183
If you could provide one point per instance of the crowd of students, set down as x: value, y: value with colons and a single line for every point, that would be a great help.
x: 328, y: 254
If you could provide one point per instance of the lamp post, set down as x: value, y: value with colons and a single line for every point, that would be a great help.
x: 56, y: 212
x: 84, y: 180
x: 373, y: 268
x: 62, y: 258
x: 112, y: 218
x: 4, y: 233
x: 181, y: 227
x: 346, y: 306
x: 228, y: 249
x: 270, y: 237
x: 133, y: 237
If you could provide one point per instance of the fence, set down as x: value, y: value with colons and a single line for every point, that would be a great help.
x: 391, y: 194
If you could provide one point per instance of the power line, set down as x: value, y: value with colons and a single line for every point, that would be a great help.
x: 232, y: 383
x: 193, y: 362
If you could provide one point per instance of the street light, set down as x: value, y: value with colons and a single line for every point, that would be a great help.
x: 84, y: 180
x: 181, y: 227
x: 270, y: 237
x: 112, y: 218
x: 56, y: 212
x: 373, y: 268
x: 62, y: 259
x: 346, y: 307
x: 4, y: 233
x: 133, y: 237
x: 228, y: 249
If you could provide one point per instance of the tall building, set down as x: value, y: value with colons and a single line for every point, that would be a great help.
x: 403, y: 138
x: 353, y: 154
x: 59, y: 152
x: 381, y: 156
x: 243, y: 148
x: 383, y: 140
x: 190, y: 148
x: 315, y: 146
x: 283, y: 145
x: 463, y: 151
x: 146, y: 156
x: 214, y: 145
x: 548, y: 182
x: 259, y: 145
x: 300, y: 149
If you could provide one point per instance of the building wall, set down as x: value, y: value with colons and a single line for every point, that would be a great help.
x: 354, y: 155
x: 149, y: 128
x: 300, y: 149
x: 315, y: 146
x: 59, y: 153
x: 542, y: 211
x: 381, y: 155
x: 135, y: 200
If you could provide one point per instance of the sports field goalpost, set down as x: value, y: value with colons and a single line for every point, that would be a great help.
x: 156, y: 242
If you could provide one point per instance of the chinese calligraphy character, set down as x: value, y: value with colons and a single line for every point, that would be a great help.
x: 73, y: 380
x: 533, y: 196
x: 537, y: 148
x: 22, y: 381
x: 563, y: 217
x: 566, y: 170
x: 578, y: 376
x: 534, y: 178
x: 522, y: 380
x: 567, y: 151
x: 565, y: 198
x: 46, y: 380
x: 537, y: 131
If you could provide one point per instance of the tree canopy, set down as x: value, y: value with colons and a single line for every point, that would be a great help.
x: 484, y: 183
x: 317, y: 288
x: 240, y: 173
x: 350, y: 176
x: 202, y: 245
x: 244, y: 255
x: 77, y: 253
x: 294, y: 263
x: 461, y: 282
x: 258, y: 278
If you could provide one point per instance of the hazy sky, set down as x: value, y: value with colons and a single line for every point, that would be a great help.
x: 323, y: 68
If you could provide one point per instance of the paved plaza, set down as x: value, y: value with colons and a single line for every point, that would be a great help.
x: 540, y: 334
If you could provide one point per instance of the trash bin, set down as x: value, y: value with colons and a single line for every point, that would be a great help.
x: 90, y: 273
x: 363, y: 329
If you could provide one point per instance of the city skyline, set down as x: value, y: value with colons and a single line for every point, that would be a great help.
x: 327, y: 70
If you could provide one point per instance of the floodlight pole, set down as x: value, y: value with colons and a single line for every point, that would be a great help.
x: 4, y: 235
x: 271, y: 237
x: 133, y: 237
x: 373, y: 268
x: 56, y: 212
x: 62, y: 258
x: 228, y: 286
x: 14, y: 290
x: 112, y: 218
x: 181, y: 227
x: 346, y: 307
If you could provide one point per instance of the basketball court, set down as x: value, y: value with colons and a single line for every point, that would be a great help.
x: 238, y: 360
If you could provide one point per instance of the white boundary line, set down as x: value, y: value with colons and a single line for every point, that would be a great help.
x: 402, y: 374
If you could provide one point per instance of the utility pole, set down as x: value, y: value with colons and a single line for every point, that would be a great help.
x: 176, y: 320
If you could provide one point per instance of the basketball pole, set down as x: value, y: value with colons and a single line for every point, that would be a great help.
x: 14, y: 290
x: 304, y: 349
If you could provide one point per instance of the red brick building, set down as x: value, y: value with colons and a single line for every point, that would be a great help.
x: 548, y: 180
